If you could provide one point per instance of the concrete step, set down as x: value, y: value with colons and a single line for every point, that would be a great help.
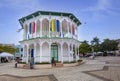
x: 26, y: 66
x: 59, y: 64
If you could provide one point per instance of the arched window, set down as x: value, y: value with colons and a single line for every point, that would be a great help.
x: 45, y: 27
x: 55, y: 25
x: 38, y: 27
x: 73, y: 29
x: 69, y: 27
x: 52, y: 25
x: 25, y: 31
x: 64, y: 26
x: 26, y: 28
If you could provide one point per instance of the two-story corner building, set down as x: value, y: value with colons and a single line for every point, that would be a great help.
x: 50, y: 34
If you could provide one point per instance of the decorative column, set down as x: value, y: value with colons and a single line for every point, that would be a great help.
x: 61, y: 29
x: 69, y: 52
x: 71, y: 29
x: 76, y: 52
x: 79, y: 51
x: 72, y: 51
x: 67, y: 29
x: 24, y: 33
x: 41, y: 28
x: 49, y: 26
x: 40, y: 52
x: 27, y: 56
x: 77, y: 32
x: 34, y: 52
x: 28, y: 32
x: 35, y: 35
x: 49, y: 52
x: 62, y: 52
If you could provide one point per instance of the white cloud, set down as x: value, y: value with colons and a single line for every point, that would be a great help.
x: 20, y: 4
x: 101, y: 10
x: 99, y: 5
x: 103, y: 4
x: 110, y: 7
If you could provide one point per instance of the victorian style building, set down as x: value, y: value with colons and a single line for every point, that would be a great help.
x: 49, y: 35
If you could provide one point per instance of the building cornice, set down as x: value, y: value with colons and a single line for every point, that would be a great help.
x: 53, y: 38
x: 35, y: 14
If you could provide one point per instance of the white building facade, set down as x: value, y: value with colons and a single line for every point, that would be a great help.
x: 48, y: 35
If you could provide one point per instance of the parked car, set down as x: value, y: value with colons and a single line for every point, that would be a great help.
x: 88, y: 54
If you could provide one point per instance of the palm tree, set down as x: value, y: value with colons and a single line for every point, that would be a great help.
x: 95, y: 44
x: 95, y: 41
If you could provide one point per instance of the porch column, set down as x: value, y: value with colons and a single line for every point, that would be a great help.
x: 40, y: 52
x: 77, y: 32
x: 24, y: 34
x: 71, y: 30
x: 41, y: 28
x: 49, y: 28
x: 35, y: 35
x: 68, y: 29
x: 75, y: 52
x: 69, y: 52
x: 62, y: 52
x: 61, y: 29
x: 72, y: 51
x: 27, y: 55
x: 35, y: 52
x: 49, y: 52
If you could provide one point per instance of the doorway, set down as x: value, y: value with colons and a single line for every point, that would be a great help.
x: 54, y: 51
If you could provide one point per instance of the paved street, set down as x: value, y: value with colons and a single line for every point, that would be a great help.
x: 99, y: 69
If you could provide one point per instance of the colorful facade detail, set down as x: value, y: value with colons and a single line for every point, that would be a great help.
x: 50, y: 34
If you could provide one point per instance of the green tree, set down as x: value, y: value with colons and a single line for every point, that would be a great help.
x: 84, y: 47
x: 95, y: 43
x: 109, y: 45
x: 8, y: 49
x: 1, y: 49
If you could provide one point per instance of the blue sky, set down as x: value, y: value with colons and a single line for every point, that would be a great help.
x: 99, y: 18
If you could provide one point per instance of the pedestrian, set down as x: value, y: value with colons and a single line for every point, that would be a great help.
x: 53, y: 62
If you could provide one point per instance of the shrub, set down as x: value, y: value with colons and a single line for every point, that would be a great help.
x: 69, y: 62
x: 21, y: 62
x: 42, y: 63
x: 79, y: 60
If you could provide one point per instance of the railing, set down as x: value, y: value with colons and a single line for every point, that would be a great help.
x: 35, y: 35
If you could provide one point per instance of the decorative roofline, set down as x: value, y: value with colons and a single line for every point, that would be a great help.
x: 35, y: 14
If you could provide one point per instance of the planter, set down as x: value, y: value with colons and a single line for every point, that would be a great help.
x: 42, y: 66
x: 79, y: 63
x: 20, y: 65
x: 71, y: 64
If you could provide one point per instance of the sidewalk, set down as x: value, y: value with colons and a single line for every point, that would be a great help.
x: 69, y: 73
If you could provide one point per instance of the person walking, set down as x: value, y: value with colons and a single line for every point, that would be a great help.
x: 53, y: 62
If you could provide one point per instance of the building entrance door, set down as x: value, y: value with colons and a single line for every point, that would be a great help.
x: 54, y: 51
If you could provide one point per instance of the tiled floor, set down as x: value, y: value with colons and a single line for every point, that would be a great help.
x: 94, y: 67
x: 108, y: 73
x: 30, y: 78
